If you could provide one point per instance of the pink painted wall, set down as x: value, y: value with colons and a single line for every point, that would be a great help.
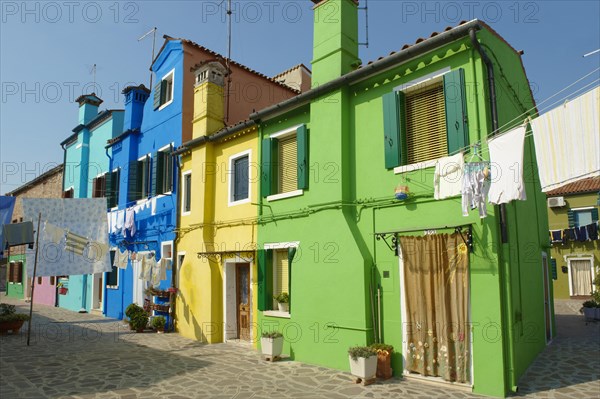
x: 45, y: 293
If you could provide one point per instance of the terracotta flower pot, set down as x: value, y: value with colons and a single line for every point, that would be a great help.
x: 12, y: 326
x: 384, y: 364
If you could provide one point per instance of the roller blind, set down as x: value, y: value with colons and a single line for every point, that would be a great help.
x: 281, y: 272
x: 426, y: 136
x: 288, y: 167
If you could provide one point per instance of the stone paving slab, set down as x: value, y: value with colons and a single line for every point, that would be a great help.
x: 76, y: 355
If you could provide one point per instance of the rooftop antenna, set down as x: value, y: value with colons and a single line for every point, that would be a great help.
x: 93, y: 72
x: 366, y: 10
x: 153, y: 31
x: 228, y: 59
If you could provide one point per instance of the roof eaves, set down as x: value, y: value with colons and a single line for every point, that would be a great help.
x: 33, y: 182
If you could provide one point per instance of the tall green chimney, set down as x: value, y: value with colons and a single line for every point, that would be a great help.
x: 335, y: 50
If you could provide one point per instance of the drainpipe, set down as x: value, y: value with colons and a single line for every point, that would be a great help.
x: 175, y: 256
x: 505, y: 277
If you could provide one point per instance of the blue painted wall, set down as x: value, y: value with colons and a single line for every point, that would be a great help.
x: 158, y: 129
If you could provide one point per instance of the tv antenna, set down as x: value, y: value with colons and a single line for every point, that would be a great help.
x: 153, y: 31
x: 228, y: 59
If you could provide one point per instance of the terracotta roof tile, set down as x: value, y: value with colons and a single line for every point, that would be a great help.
x: 588, y: 185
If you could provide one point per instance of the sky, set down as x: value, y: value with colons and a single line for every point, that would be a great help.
x: 48, y: 50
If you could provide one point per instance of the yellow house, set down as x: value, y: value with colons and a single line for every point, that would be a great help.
x: 216, y: 235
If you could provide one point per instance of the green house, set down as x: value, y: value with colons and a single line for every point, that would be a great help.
x: 462, y: 299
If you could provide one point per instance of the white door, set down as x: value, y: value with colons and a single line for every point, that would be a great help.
x: 581, y: 277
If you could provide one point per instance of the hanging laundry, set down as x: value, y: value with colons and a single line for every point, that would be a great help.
x: 165, y: 264
x: 129, y: 222
x: 475, y: 187
x: 506, y: 158
x: 96, y: 250
x: 17, y: 234
x: 53, y: 233
x: 569, y: 235
x: 592, y: 231
x: 83, y: 218
x: 556, y: 236
x: 447, y: 178
x: 567, y: 139
x: 133, y: 256
x: 581, y: 234
x: 119, y: 220
x: 121, y: 258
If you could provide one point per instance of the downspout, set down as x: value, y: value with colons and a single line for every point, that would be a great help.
x: 104, y: 291
x: 175, y: 256
x: 505, y: 278
x: 56, y: 297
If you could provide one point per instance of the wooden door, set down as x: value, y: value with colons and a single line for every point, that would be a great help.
x: 243, y: 300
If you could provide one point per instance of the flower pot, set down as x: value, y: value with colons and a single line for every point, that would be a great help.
x: 283, y: 307
x: 589, y: 313
x: 384, y: 364
x: 271, y: 346
x: 63, y: 291
x: 363, y: 368
x: 12, y: 326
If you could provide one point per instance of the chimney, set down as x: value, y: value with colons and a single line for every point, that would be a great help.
x: 88, y: 107
x: 335, y: 49
x: 135, y: 98
x: 208, y: 98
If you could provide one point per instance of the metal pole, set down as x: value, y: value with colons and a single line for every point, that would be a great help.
x: 152, y: 60
x: 379, y: 312
x: 37, y: 248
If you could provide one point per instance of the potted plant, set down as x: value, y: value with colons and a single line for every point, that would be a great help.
x: 158, y: 323
x: 283, y: 302
x: 271, y: 343
x: 10, y: 320
x: 363, y: 362
x: 596, y: 296
x: 384, y: 360
x: 138, y: 317
x: 589, y: 310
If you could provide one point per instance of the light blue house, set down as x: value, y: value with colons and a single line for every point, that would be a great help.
x: 85, y: 175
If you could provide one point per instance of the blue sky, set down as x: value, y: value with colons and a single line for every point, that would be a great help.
x: 47, y: 50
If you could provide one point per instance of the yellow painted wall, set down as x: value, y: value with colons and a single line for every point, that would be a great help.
x: 214, y: 226
x: 558, y: 219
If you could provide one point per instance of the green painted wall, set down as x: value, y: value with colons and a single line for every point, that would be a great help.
x: 350, y: 197
x: 558, y: 220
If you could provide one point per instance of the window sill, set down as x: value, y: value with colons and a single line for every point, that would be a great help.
x: 112, y: 287
x: 186, y: 213
x: 163, y: 106
x: 289, y: 194
x: 416, y: 166
x: 276, y: 313
x: 239, y: 202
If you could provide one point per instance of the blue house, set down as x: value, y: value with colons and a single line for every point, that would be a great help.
x: 85, y: 174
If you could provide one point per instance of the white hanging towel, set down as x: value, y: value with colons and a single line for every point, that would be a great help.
x: 129, y: 222
x: 567, y: 141
x: 506, y: 160
x: 447, y: 179
x: 53, y: 233
x: 120, y: 260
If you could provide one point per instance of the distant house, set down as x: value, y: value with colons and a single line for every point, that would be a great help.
x: 46, y: 185
x: 575, y: 255
x: 463, y: 299
x: 86, y: 170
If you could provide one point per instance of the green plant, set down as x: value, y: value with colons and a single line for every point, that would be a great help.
x: 282, y: 298
x: 382, y: 347
x: 159, y: 322
x: 133, y: 309
x: 8, y: 314
x: 271, y: 334
x: 138, y: 317
x: 361, y: 351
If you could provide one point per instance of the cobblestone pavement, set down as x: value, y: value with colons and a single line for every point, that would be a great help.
x: 88, y: 356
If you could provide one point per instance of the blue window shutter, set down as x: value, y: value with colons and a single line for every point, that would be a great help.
x: 571, y: 218
x: 265, y: 278
x: 302, y: 143
x: 157, y: 95
x: 240, y: 176
x: 266, y: 169
x: 456, y: 110
x: 393, y: 128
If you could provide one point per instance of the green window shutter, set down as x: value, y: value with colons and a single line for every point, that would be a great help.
x: 266, y: 168
x: 265, y: 278
x: 155, y: 164
x: 393, y: 128
x: 163, y: 91
x: 594, y: 214
x: 132, y: 183
x: 456, y: 110
x: 302, y: 143
x: 109, y: 192
x: 291, y: 254
x: 116, y: 186
x: 168, y: 169
x: 571, y: 218
x: 157, y: 95
x: 553, y: 269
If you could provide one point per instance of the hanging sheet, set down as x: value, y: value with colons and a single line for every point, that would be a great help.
x: 7, y: 205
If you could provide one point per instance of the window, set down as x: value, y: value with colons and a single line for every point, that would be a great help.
x: 186, y: 198
x: 162, y: 171
x: 112, y: 277
x: 99, y: 186
x: 425, y: 121
x: 239, y: 180
x: 163, y: 91
x: 581, y: 217
x: 139, y: 179
x: 166, y: 250
x: 15, y: 272
x: 68, y: 193
x: 52, y: 280
x: 39, y: 280
x: 112, y: 185
x: 275, y: 273
x: 284, y: 169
